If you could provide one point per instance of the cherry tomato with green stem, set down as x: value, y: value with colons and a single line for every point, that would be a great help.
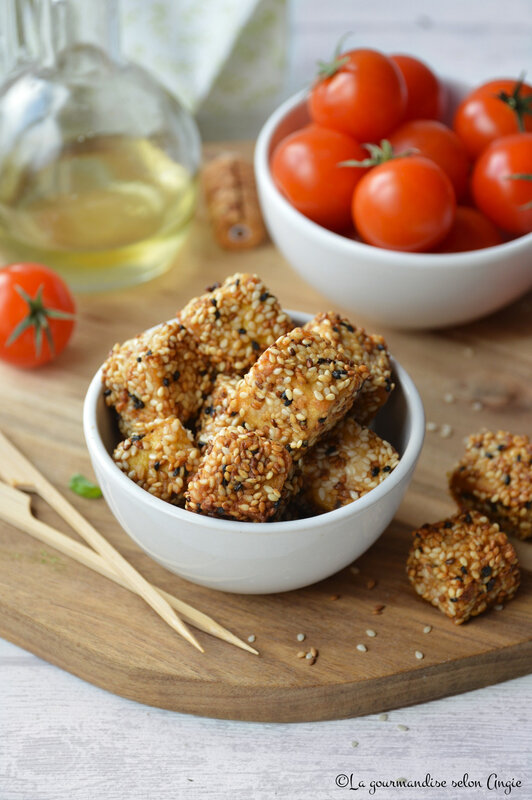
x: 404, y: 203
x: 425, y: 95
x: 501, y: 184
x: 497, y: 108
x: 361, y: 92
x: 37, y: 313
x: 306, y: 169
x: 436, y: 141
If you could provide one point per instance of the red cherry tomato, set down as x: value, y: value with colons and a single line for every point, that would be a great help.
x: 436, y: 141
x: 36, y: 314
x: 305, y: 168
x: 404, y: 204
x: 506, y: 200
x: 471, y: 231
x: 483, y: 117
x: 365, y: 96
x: 425, y: 94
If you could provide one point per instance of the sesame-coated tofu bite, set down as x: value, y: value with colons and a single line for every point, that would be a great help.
x: 159, y: 373
x: 345, y: 465
x: 361, y: 348
x: 494, y: 477
x: 233, y: 323
x: 297, y: 390
x: 463, y: 565
x: 160, y: 459
x: 214, y: 415
x: 242, y: 476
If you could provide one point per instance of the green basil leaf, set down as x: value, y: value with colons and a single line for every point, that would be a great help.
x: 84, y: 487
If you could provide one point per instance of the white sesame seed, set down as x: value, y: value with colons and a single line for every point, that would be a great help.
x: 309, y: 656
x: 427, y: 629
x: 431, y: 426
x: 402, y: 727
x: 251, y: 638
x: 354, y: 744
x: 300, y: 637
x: 370, y: 633
x: 419, y: 654
x: 446, y: 431
x: 383, y: 717
x: 362, y: 648
x: 449, y: 398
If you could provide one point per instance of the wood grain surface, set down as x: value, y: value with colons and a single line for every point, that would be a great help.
x: 83, y: 623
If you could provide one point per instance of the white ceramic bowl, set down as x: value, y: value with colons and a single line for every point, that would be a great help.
x: 256, y: 558
x: 404, y: 290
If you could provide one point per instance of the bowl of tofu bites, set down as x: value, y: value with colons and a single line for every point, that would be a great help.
x: 251, y: 449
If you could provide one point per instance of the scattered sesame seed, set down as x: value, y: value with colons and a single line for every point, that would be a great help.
x: 383, y: 717
x: 313, y: 652
x: 362, y: 648
x: 449, y: 398
x: 402, y: 728
x: 446, y: 431
x: 427, y: 629
x: 354, y: 744
x: 498, y: 607
x: 477, y: 405
x: 419, y: 655
x: 301, y: 637
x: 354, y: 570
x: 379, y: 608
x: 301, y: 654
x: 431, y: 426
x: 371, y: 583
x: 309, y: 656
x: 371, y: 633
x: 252, y: 638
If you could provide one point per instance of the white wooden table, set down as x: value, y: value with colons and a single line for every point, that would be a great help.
x: 62, y: 739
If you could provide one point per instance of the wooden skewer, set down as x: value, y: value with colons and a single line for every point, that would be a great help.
x: 15, y: 508
x: 16, y: 470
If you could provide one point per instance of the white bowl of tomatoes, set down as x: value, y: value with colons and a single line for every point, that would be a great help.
x: 435, y: 235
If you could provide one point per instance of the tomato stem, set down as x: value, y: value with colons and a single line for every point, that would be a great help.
x: 520, y: 105
x: 378, y: 154
x: 37, y: 318
x: 326, y: 69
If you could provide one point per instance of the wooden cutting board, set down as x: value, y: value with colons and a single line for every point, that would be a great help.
x: 78, y: 620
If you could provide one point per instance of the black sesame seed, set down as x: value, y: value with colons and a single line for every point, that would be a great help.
x: 387, y: 468
x: 490, y: 584
x: 486, y: 571
x: 217, y: 314
x: 237, y: 282
x: 220, y: 510
x: 381, y: 347
x: 137, y: 437
x: 501, y: 447
x: 488, y: 455
x: 203, y: 372
x: 321, y: 420
x: 305, y: 443
x: 139, y: 358
x: 388, y: 385
x: 209, y: 411
x: 468, y: 518
x: 224, y: 480
x: 149, y: 353
x: 237, y: 486
x: 453, y: 599
x: 166, y: 382
x: 348, y: 326
x: 242, y: 331
x: 264, y: 296
x: 176, y: 375
x: 447, y: 524
x: 287, y: 402
x: 213, y: 286
x: 214, y: 302
x: 449, y: 560
x: 507, y: 479
x: 137, y: 402
x: 255, y: 345
x: 458, y: 578
x: 330, y: 450
x: 288, y: 447
x: 157, y: 466
x: 336, y: 329
x: 175, y: 473
x: 518, y: 457
x: 375, y: 471
x: 463, y: 570
x: 337, y: 373
x: 106, y: 392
